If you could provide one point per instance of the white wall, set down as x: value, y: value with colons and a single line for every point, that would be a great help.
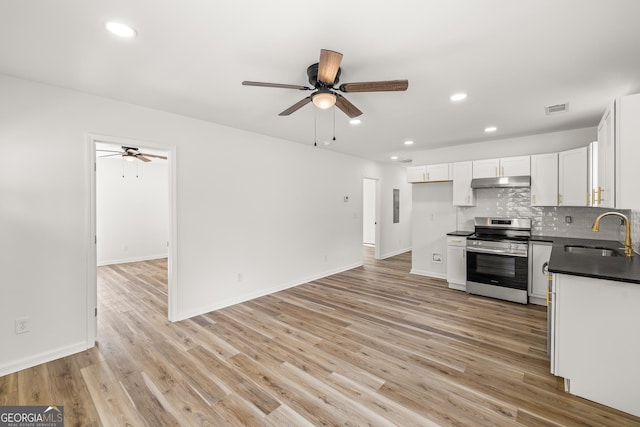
x: 433, y: 217
x: 269, y: 210
x: 393, y: 238
x: 132, y: 210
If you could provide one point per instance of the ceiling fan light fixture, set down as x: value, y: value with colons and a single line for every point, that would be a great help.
x: 324, y: 100
x: 129, y: 157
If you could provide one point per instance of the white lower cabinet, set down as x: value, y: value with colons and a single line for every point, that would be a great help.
x: 457, y: 262
x: 595, y: 347
x: 539, y: 254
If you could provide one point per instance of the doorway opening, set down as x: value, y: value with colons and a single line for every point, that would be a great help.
x: 132, y: 213
x: 370, y: 209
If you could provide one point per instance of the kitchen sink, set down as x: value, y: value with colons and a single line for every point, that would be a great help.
x: 592, y: 250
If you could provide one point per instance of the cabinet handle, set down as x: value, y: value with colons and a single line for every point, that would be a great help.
x: 503, y: 171
x: 600, y: 190
x: 587, y: 198
x: 559, y: 198
x: 548, y: 296
x: 497, y: 171
x: 427, y: 176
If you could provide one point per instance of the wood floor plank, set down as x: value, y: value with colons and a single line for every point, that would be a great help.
x: 374, y: 345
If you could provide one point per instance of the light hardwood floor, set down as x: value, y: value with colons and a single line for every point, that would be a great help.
x: 371, y: 346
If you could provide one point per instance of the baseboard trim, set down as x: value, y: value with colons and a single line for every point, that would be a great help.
x: 237, y: 300
x: 136, y: 259
x: 394, y: 253
x: 38, y: 359
x: 428, y: 274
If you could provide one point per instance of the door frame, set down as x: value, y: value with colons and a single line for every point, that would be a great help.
x: 92, y: 270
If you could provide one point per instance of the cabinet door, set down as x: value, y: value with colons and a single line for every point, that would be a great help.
x: 515, y: 166
x: 463, y: 195
x: 572, y: 181
x: 596, y: 327
x: 417, y: 174
x: 456, y: 266
x: 605, y: 196
x: 488, y: 168
x: 544, y: 179
x: 540, y: 254
x: 438, y: 172
x: 627, y: 149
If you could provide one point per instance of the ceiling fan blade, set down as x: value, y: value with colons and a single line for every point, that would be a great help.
x: 278, y: 85
x: 111, y: 155
x: 143, y: 158
x: 295, y: 107
x: 154, y: 156
x: 383, y: 86
x: 328, y: 66
x: 347, y: 107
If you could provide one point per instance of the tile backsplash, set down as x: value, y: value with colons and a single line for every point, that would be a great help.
x: 548, y: 221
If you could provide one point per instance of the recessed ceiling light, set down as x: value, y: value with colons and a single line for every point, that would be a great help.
x: 458, y: 96
x: 490, y: 129
x: 408, y: 143
x: 394, y: 157
x: 355, y: 121
x: 120, y: 30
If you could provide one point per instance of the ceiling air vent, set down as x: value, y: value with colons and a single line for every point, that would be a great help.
x: 556, y: 109
x: 404, y: 160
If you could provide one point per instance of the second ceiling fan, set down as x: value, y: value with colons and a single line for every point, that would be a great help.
x: 324, y: 77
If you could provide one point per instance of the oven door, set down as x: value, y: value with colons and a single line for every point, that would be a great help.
x: 498, y: 269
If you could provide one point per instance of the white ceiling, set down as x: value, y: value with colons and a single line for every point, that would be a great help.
x: 513, y: 58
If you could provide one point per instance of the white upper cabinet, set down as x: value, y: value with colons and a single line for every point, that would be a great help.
x: 463, y: 194
x: 515, y: 166
x: 488, y: 168
x: 544, y: 179
x: 627, y: 149
x: 439, y: 172
x: 417, y: 174
x: 508, y: 166
x: 603, y: 193
x: 572, y: 177
x: 429, y: 173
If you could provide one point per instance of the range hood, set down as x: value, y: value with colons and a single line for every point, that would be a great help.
x: 502, y: 182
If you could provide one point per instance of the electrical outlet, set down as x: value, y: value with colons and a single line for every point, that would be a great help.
x: 22, y: 325
x: 436, y: 257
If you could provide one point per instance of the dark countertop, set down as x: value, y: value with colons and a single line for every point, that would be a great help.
x: 618, y: 268
x: 460, y: 233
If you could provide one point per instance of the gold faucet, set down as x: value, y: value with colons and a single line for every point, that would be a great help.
x: 628, y: 246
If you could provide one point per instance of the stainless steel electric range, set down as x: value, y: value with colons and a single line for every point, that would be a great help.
x: 497, y: 258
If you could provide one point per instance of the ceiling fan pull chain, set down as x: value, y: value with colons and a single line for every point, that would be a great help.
x: 137, y: 165
x: 315, y: 129
x: 123, y: 168
x: 334, y: 122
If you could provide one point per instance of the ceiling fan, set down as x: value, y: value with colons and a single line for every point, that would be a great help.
x: 131, y: 154
x: 323, y: 77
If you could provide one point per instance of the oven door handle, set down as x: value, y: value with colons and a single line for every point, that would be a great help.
x: 494, y: 251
